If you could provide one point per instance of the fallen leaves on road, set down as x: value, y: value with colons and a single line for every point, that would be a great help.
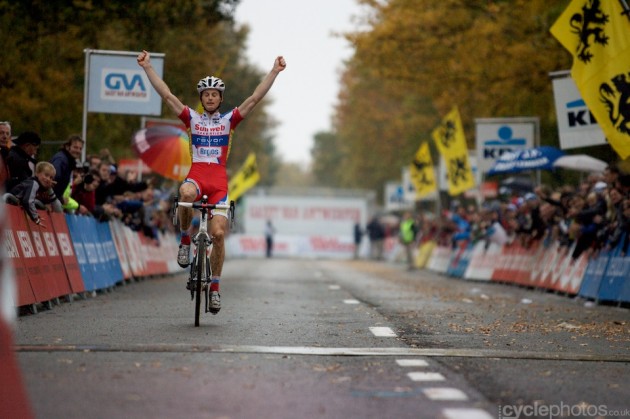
x: 498, y: 314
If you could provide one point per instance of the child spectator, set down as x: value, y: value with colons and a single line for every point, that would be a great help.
x: 37, y: 188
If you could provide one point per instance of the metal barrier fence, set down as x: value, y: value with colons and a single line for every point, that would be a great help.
x: 74, y: 254
x: 604, y: 276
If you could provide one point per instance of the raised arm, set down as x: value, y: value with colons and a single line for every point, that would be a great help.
x: 144, y: 61
x: 261, y: 90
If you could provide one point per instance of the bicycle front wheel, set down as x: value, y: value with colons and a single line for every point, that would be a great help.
x: 200, y: 273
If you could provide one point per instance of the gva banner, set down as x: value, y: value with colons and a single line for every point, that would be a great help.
x: 496, y: 136
x: 117, y: 84
x: 577, y: 126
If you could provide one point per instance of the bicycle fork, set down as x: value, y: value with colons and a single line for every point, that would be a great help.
x: 207, y: 278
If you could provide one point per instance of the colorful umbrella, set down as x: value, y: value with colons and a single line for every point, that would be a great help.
x: 165, y: 149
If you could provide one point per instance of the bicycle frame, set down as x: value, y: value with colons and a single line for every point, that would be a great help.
x: 200, y: 269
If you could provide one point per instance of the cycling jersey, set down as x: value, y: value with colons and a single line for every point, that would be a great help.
x: 211, y: 140
x: 211, y: 136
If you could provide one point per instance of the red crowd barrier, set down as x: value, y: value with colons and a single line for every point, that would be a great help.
x: 43, y: 258
x: 549, y: 267
x: 47, y: 266
x: 66, y: 250
x: 17, y: 222
x: 33, y: 255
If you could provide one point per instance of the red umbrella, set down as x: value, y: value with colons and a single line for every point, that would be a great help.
x: 165, y: 149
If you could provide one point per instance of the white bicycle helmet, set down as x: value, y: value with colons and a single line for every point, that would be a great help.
x: 210, y: 82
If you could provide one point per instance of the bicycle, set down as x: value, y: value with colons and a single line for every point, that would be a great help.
x: 200, y: 268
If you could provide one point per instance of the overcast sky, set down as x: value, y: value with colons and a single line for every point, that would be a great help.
x: 305, y: 93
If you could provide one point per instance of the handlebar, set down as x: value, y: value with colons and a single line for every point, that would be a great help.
x: 203, y: 205
x: 200, y: 205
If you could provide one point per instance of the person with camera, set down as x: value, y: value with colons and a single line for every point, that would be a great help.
x: 84, y: 192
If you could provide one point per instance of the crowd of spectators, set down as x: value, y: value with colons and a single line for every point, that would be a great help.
x: 593, y: 216
x: 91, y: 188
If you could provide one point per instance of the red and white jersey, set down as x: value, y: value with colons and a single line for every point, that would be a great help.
x: 210, y: 135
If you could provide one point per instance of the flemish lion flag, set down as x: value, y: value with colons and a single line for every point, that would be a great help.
x: 245, y: 179
x: 451, y: 142
x: 598, y: 36
x: 422, y: 173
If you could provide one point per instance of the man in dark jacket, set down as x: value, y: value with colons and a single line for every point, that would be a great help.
x: 5, y: 146
x: 65, y: 161
x: 21, y: 158
x: 376, y: 233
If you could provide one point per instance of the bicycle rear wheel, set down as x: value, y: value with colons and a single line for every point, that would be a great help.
x: 201, y: 271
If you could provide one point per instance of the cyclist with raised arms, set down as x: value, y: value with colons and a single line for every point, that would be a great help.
x: 211, y: 139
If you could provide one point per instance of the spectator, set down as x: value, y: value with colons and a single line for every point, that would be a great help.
x: 622, y: 229
x: 106, y: 157
x: 358, y: 235
x: 21, y: 158
x: 530, y: 224
x: 5, y: 146
x: 407, y: 237
x: 93, y: 161
x: 615, y: 208
x: 588, y: 215
x: 148, y: 214
x: 376, y: 233
x: 65, y: 161
x: 84, y: 192
x: 36, y: 188
x: 611, y: 174
x: 461, y: 225
x: 269, y: 233
x: 494, y: 231
x: 113, y: 187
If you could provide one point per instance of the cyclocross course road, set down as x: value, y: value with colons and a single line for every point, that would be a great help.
x: 323, y: 339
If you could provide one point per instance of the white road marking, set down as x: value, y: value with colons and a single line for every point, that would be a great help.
x: 383, y: 332
x: 351, y: 301
x: 325, y: 351
x: 412, y: 362
x: 461, y: 413
x: 334, y: 287
x: 425, y: 376
x: 444, y: 393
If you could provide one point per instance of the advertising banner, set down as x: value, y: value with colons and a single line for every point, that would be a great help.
x: 496, y: 136
x: 395, y: 196
x: 304, y: 215
x: 577, y: 126
x: 66, y: 251
x: 117, y: 84
x: 16, y: 228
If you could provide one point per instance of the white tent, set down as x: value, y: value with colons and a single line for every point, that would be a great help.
x: 581, y: 163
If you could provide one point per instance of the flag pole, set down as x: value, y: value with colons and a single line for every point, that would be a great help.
x: 625, y: 7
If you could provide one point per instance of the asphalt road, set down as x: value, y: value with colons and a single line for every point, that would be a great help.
x: 327, y: 339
